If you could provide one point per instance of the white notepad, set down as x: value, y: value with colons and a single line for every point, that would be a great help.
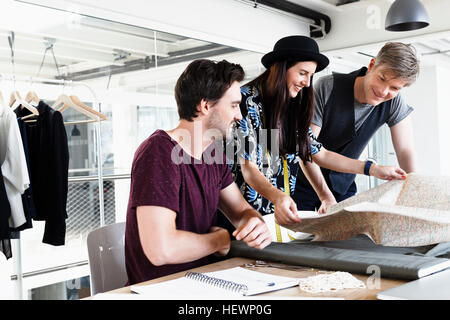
x: 232, y: 283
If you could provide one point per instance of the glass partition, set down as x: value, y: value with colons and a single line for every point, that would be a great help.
x: 126, y: 73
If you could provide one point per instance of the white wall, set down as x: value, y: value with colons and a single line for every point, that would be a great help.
x: 430, y: 96
x: 423, y: 96
x: 443, y: 110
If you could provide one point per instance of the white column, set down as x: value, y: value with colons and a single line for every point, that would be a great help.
x: 124, y: 119
x: 424, y: 96
x: 443, y: 110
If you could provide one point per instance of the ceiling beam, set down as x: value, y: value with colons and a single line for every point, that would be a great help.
x: 64, y: 53
x: 302, y: 11
x: 91, y: 37
x: 147, y: 63
x: 318, y: 5
x: 170, y: 73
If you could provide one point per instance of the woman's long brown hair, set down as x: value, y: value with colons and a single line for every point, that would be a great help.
x: 292, y: 116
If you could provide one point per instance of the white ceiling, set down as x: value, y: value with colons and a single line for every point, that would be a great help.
x: 87, y: 48
x: 431, y: 49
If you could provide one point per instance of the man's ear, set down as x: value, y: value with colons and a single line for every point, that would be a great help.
x: 203, y: 107
x: 371, y: 65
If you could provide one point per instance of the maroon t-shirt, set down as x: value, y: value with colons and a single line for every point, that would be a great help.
x: 190, y: 189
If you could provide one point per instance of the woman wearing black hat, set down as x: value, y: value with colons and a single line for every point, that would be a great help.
x: 277, y: 108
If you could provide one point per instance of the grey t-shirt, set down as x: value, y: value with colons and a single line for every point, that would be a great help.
x: 322, y: 91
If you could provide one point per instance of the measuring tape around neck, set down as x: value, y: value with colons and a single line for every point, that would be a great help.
x: 285, y: 174
x: 286, y: 190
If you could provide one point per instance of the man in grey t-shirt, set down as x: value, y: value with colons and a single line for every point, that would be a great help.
x: 399, y: 109
x: 396, y: 66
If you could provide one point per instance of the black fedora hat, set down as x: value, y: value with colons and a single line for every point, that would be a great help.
x: 298, y: 48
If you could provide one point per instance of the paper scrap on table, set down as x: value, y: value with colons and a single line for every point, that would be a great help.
x: 330, y: 282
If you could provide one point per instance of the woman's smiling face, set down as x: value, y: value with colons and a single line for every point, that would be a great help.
x: 299, y: 76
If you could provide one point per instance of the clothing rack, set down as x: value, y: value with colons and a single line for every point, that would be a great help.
x: 97, y: 128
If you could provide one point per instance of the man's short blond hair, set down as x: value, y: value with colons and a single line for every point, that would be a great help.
x: 400, y: 59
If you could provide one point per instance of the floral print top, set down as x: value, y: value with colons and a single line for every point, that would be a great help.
x: 250, y: 142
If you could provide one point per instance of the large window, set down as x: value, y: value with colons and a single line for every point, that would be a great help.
x: 128, y: 74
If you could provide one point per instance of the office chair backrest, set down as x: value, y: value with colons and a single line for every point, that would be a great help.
x: 6, y: 287
x: 106, y: 252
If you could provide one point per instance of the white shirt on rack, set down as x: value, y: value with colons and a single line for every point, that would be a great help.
x: 13, y: 164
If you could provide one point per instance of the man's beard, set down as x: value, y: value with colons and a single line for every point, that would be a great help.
x: 215, y: 122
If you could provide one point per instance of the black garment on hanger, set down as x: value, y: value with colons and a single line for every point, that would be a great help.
x: 5, y: 247
x: 49, y: 166
x: 5, y: 213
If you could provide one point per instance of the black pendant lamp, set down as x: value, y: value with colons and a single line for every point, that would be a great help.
x: 75, y: 132
x: 406, y: 15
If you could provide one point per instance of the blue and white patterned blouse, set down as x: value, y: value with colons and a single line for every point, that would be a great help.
x: 249, y: 143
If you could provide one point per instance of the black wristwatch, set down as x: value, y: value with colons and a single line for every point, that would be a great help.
x: 367, y: 166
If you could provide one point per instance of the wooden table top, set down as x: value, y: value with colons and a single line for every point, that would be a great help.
x: 373, y: 285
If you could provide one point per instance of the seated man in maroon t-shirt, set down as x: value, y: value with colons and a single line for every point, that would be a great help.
x: 178, y: 181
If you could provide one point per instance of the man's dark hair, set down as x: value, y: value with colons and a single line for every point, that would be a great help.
x: 204, y: 79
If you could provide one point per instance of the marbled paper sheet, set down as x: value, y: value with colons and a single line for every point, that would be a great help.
x: 411, y: 212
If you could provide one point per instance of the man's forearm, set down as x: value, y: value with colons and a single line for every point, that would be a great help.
x: 403, y: 142
x: 406, y: 160
x: 336, y: 162
x: 245, y: 215
x: 185, y: 246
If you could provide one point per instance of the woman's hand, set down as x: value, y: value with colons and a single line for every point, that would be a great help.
x: 326, y: 203
x: 285, y: 209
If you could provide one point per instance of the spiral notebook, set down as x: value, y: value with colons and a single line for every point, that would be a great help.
x: 233, y: 282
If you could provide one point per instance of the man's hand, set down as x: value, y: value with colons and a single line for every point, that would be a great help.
x: 226, y: 240
x: 285, y: 210
x: 387, y: 173
x: 254, y: 232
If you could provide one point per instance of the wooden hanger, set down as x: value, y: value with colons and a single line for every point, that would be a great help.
x: 75, y: 99
x: 16, y: 101
x: 67, y: 102
x: 32, y: 98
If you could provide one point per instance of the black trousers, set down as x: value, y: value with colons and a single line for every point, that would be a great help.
x: 307, y: 199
